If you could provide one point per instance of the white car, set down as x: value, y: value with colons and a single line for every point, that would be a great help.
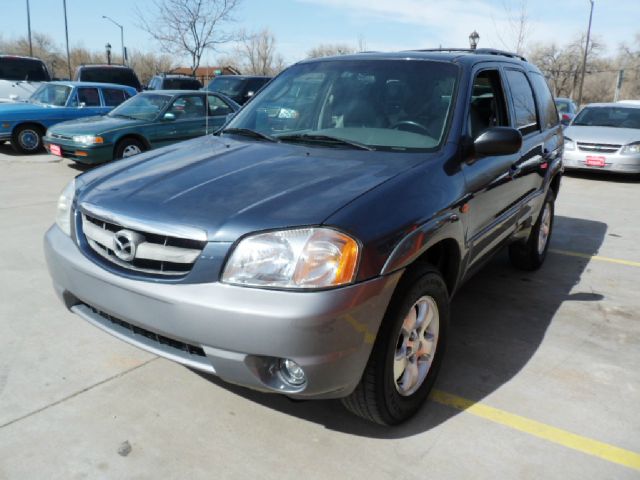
x: 20, y: 77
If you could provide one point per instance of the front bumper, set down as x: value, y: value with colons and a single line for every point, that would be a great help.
x: 89, y: 155
x: 234, y: 332
x: 614, y: 162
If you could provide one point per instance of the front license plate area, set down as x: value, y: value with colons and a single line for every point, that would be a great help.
x: 55, y: 149
x: 595, y: 161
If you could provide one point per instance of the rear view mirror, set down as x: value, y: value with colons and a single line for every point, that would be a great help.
x: 169, y: 117
x: 498, y: 141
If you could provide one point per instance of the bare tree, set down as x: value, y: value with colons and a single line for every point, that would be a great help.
x: 257, y: 54
x: 331, y: 49
x: 147, y: 64
x: 189, y: 27
x: 518, y: 27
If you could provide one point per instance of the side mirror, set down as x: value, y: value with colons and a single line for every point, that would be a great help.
x: 82, y: 105
x: 169, y: 117
x: 498, y: 141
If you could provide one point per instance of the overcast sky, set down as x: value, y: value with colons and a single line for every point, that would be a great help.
x: 383, y: 24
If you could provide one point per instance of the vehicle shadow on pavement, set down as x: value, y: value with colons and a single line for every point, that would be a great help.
x: 499, y: 319
x: 604, y: 176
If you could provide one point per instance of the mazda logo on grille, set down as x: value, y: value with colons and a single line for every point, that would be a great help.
x: 125, y: 243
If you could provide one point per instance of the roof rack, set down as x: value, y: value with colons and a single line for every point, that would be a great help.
x: 477, y: 51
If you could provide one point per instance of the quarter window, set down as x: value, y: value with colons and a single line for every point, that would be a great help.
x: 548, y: 112
x: 523, y: 101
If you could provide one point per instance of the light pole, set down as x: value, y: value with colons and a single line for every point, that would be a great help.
x: 66, y: 34
x: 107, y: 47
x: 121, y: 34
x: 584, y: 60
x: 29, y: 29
x: 474, y: 38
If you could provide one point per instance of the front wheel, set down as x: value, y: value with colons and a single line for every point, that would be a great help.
x: 407, y: 353
x: 128, y: 148
x: 530, y: 254
x: 27, y: 139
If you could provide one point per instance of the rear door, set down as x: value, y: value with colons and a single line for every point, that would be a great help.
x: 87, y: 102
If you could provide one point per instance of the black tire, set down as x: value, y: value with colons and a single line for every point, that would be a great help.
x: 124, y: 147
x: 27, y: 139
x: 377, y: 397
x: 527, y: 255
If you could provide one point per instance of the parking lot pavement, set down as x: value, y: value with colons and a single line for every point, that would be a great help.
x: 541, y: 379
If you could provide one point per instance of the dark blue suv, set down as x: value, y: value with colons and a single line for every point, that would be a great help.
x: 312, y: 247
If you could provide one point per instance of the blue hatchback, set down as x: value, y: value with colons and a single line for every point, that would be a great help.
x: 24, y: 124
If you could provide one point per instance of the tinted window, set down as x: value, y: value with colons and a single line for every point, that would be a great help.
x: 617, y: 117
x: 523, y: 102
x: 228, y: 86
x: 181, y: 84
x: 117, y: 75
x: 256, y: 84
x: 13, y: 68
x: 487, y: 107
x: 113, y: 97
x: 218, y: 107
x: 89, y: 96
x: 384, y: 104
x: 548, y: 112
x: 189, y: 106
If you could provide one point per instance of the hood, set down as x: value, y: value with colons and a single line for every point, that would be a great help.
x: 93, y: 125
x: 610, y: 135
x: 9, y: 111
x: 13, y: 90
x: 229, y: 188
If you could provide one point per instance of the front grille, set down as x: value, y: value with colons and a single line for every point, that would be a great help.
x: 160, y: 339
x: 598, y: 147
x: 152, y: 252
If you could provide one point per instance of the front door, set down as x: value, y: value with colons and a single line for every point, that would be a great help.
x: 188, y: 120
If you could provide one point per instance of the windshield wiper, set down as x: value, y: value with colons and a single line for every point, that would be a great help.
x: 247, y: 132
x: 323, y: 139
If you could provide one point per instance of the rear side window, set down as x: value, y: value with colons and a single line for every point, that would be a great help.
x: 16, y: 68
x: 182, y: 84
x: 119, y: 76
x: 89, y: 96
x: 548, y: 112
x: 523, y: 101
x: 113, y: 97
x: 217, y: 106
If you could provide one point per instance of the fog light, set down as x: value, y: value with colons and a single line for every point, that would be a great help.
x: 291, y: 372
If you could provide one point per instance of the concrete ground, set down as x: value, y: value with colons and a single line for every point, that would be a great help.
x: 541, y: 380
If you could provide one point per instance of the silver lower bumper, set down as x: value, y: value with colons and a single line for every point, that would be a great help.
x: 576, y: 160
x: 240, y: 331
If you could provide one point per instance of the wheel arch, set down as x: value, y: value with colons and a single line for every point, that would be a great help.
x: 24, y: 123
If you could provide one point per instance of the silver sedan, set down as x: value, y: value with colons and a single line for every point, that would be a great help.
x: 604, y: 136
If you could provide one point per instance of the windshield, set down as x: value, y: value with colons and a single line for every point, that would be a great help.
x: 144, y: 106
x: 381, y: 104
x: 617, y: 117
x: 228, y: 86
x: 51, y: 94
x: 117, y: 75
x: 563, y: 106
x: 13, y: 68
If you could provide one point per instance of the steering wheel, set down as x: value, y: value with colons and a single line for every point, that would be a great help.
x: 411, y: 126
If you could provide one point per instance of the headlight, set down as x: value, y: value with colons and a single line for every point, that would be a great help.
x: 87, y: 139
x: 569, y: 144
x: 63, y: 214
x: 300, y: 258
x: 631, y: 149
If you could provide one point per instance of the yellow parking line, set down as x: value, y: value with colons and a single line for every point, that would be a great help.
x: 586, y: 445
x: 595, y: 257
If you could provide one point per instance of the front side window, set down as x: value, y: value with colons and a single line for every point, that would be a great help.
x: 144, y: 106
x: 381, y: 104
x: 488, y: 108
x: 89, y: 97
x: 189, y: 106
x: 51, y: 94
x: 523, y: 101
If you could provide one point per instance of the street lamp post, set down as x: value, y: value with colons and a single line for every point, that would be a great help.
x: 107, y: 47
x: 474, y: 38
x: 29, y: 29
x: 121, y: 34
x: 584, y: 60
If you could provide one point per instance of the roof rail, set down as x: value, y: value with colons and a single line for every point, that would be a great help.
x: 478, y: 51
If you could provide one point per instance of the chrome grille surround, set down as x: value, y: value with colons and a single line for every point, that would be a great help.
x: 153, y: 253
x: 598, y: 147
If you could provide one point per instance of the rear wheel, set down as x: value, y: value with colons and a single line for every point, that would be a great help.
x: 407, y: 353
x: 27, y: 139
x: 128, y: 147
x: 530, y: 254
